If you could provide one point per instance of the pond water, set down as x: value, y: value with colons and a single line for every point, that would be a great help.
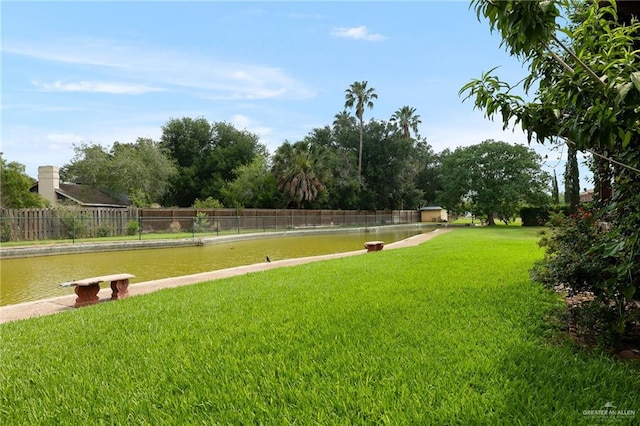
x: 34, y: 278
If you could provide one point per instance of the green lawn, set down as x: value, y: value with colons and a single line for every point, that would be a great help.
x: 449, y: 332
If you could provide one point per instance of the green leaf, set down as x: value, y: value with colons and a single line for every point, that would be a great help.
x: 613, y: 248
x: 626, y: 139
x: 635, y: 79
x: 628, y: 292
x: 622, y: 89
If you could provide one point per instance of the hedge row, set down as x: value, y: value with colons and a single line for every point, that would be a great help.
x: 539, y: 216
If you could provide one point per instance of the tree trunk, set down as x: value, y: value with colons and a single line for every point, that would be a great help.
x: 360, y: 152
x: 490, y: 220
x: 602, y: 180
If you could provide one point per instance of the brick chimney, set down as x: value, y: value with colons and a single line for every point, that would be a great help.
x: 48, y: 182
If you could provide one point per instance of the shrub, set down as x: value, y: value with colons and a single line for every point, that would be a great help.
x: 207, y: 203
x: 133, y: 227
x: 72, y: 223
x: 534, y: 216
x: 539, y: 216
x: 586, y: 254
x: 201, y: 222
x: 567, y: 245
x: 5, y: 230
x: 104, y: 231
x: 590, y: 323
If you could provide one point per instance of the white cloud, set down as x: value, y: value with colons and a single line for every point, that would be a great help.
x: 98, y: 87
x: 31, y: 107
x: 357, y: 33
x: 191, y: 72
x: 240, y: 121
x: 88, y: 52
x: 63, y: 139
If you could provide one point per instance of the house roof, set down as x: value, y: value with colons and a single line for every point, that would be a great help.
x: 431, y: 208
x: 88, y: 195
x: 85, y: 195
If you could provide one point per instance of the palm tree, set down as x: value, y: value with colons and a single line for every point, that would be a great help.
x: 296, y: 172
x: 406, y: 119
x: 360, y: 96
x: 343, y: 119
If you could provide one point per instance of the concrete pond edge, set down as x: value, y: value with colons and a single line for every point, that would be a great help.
x: 65, y: 303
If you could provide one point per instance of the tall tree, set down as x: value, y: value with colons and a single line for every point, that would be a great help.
x: 90, y: 165
x: 254, y: 186
x: 360, y: 96
x: 335, y: 153
x: 572, y: 179
x: 405, y: 119
x: 388, y: 169
x: 343, y: 120
x: 15, y: 187
x: 494, y: 179
x: 139, y: 171
x: 428, y: 179
x: 230, y: 149
x: 555, y: 191
x: 188, y: 143
x: 144, y: 169
x: 206, y: 156
x: 296, y: 173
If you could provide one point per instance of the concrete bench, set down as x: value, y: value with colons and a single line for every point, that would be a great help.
x: 374, y: 245
x: 88, y: 288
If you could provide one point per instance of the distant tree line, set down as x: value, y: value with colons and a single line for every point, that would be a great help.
x: 348, y: 164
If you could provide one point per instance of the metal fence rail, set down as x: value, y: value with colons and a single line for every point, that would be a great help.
x: 52, y: 224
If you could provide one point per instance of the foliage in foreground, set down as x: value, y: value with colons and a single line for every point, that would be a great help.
x: 584, y: 83
x: 585, y: 256
x: 449, y: 332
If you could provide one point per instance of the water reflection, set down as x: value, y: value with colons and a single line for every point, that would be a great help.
x: 34, y: 278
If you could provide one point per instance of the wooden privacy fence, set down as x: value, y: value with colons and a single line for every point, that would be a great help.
x: 44, y: 224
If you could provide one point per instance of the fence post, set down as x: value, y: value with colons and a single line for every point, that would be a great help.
x: 139, y: 228
x: 73, y: 229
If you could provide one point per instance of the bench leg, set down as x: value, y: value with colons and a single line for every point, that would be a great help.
x: 87, y: 294
x: 119, y: 289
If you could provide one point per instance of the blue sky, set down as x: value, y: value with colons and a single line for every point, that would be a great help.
x: 100, y: 72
